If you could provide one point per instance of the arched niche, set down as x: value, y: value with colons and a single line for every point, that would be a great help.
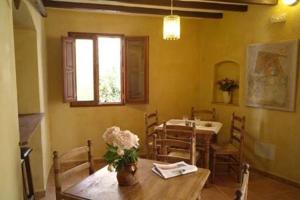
x: 226, y: 69
x: 29, y: 85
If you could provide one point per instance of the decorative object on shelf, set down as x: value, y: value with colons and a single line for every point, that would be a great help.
x: 171, y: 26
x: 227, y: 96
x: 227, y: 86
x: 122, y: 154
x: 271, y: 75
x: 230, y: 69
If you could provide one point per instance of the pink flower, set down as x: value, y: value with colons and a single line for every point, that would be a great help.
x: 110, y: 134
x: 120, y: 139
x: 126, y: 140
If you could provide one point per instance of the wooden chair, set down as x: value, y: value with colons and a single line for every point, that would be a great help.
x: 241, y: 193
x: 231, y: 153
x: 151, y: 121
x: 59, y: 174
x: 205, y: 114
x: 177, y: 144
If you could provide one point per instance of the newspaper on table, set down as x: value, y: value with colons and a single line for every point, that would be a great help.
x: 171, y: 170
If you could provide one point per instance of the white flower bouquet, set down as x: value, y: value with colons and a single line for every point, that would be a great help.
x: 122, y: 148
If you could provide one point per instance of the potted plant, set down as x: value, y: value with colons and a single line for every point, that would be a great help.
x: 122, y: 154
x: 227, y: 86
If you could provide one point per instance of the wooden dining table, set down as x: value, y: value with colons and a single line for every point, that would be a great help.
x: 103, y: 185
x: 205, y: 130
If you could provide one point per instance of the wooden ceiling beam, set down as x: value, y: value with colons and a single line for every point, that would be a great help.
x: 17, y: 4
x: 41, y: 7
x: 259, y: 2
x: 131, y: 9
x: 189, y: 4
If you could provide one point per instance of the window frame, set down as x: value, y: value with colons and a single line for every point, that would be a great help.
x: 94, y: 37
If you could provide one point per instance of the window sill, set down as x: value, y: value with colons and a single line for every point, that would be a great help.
x: 94, y: 104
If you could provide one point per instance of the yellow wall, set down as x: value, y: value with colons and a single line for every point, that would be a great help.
x: 10, y: 184
x: 27, y: 71
x: 28, y: 92
x: 231, y: 37
x: 32, y: 85
x: 45, y: 141
x: 181, y: 75
x: 174, y: 77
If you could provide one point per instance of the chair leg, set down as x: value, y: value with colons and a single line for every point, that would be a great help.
x: 239, y: 175
x: 57, y: 195
x: 229, y: 166
x: 213, y: 168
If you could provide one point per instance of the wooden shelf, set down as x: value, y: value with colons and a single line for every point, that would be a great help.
x: 27, y: 126
x: 226, y: 104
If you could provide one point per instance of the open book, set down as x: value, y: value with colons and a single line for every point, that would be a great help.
x: 171, y: 170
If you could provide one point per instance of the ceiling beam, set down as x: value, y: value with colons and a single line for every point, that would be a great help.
x: 17, y: 4
x: 132, y: 9
x: 259, y: 2
x: 189, y: 4
x: 41, y: 7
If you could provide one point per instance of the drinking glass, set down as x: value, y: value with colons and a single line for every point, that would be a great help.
x: 197, y: 120
x: 185, y: 119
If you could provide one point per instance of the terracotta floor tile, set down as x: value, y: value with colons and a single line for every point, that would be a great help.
x: 213, y: 193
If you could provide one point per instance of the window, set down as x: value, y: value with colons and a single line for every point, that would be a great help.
x: 110, y: 64
x: 84, y: 69
x: 100, y: 70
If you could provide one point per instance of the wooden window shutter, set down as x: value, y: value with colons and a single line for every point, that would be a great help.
x: 69, y: 69
x: 136, y: 69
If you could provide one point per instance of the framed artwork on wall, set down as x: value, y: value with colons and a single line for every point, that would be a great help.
x: 271, y: 75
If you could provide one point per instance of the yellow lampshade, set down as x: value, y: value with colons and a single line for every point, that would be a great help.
x: 171, y: 27
x: 289, y: 2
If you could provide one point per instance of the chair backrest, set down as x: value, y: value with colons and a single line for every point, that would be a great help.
x: 151, y: 121
x: 176, y: 138
x: 204, y: 114
x: 60, y: 174
x: 237, y: 131
x: 241, y: 193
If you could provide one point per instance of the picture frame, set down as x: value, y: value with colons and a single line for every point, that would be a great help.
x: 271, y: 75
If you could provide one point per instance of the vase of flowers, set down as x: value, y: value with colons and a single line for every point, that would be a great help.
x: 122, y: 154
x: 227, y: 96
x: 227, y: 86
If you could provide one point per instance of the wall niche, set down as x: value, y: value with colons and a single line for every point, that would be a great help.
x: 226, y: 69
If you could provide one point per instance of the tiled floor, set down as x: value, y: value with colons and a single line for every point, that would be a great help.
x: 260, y: 188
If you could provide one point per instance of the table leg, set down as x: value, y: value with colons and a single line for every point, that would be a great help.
x: 207, y: 139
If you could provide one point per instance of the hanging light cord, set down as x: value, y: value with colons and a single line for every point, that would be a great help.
x: 171, y: 7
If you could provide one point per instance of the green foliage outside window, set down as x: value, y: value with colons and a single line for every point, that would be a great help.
x: 109, y: 90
